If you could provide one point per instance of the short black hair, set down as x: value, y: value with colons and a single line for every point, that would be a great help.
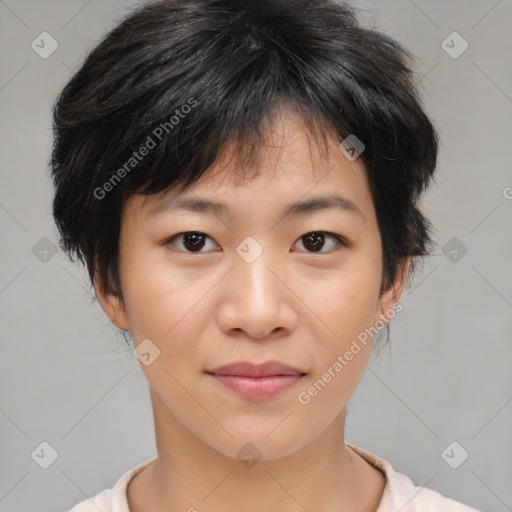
x: 184, y: 78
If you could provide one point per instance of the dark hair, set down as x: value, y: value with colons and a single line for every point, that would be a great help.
x: 184, y: 78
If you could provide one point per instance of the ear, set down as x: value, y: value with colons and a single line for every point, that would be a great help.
x: 390, y: 297
x: 111, y: 304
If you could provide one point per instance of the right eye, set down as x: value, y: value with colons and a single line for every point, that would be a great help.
x: 192, y: 241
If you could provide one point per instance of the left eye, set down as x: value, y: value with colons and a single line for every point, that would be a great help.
x: 315, y: 240
x: 195, y: 241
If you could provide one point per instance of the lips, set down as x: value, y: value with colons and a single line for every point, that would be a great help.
x: 247, y: 369
x: 257, y: 382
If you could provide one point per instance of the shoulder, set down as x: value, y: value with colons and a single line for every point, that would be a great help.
x: 401, y: 494
x: 102, y: 501
x: 114, y: 499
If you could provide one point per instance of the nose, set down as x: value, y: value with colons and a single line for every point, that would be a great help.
x: 258, y: 299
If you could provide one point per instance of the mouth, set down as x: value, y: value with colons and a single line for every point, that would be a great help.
x: 257, y: 382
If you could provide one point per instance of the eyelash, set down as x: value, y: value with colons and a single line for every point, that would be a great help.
x: 341, y: 241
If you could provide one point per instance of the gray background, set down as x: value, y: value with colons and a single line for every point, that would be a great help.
x: 67, y: 378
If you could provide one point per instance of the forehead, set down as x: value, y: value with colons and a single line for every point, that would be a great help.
x: 287, y: 165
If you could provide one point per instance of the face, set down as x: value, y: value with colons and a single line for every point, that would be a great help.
x: 256, y: 280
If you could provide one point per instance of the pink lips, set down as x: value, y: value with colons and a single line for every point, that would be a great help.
x: 257, y: 382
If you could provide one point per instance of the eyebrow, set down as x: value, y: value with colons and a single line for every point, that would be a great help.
x: 300, y: 208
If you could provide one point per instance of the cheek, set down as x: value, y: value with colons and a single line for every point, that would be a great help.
x: 345, y: 306
x: 170, y: 307
x: 157, y: 295
x: 345, y: 302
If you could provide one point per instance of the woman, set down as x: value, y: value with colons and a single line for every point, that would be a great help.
x: 242, y: 180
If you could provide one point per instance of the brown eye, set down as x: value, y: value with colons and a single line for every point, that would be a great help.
x: 191, y: 241
x: 316, y: 240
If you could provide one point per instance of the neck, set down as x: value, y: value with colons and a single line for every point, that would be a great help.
x: 189, y: 474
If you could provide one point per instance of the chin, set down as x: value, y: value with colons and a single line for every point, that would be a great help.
x: 250, y: 442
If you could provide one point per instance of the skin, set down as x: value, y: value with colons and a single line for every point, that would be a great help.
x: 294, y: 305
